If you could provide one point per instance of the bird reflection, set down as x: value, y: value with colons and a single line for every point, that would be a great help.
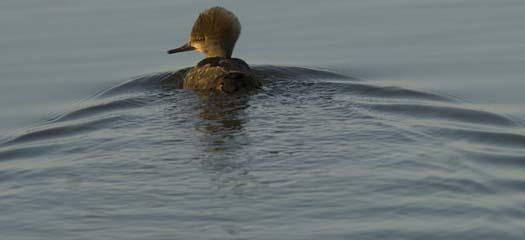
x: 220, y: 120
x: 220, y: 126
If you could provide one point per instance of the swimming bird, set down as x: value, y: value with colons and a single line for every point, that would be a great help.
x: 215, y: 33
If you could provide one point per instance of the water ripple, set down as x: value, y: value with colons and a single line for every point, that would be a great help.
x: 58, y: 130
x: 311, y: 150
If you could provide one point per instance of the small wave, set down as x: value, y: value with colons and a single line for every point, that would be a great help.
x: 23, y: 152
x: 62, y: 129
x: 386, y: 92
x: 448, y: 113
x: 493, y: 156
x: 149, y: 82
x: 451, y: 184
x: 490, y: 138
x: 289, y: 72
x: 99, y: 106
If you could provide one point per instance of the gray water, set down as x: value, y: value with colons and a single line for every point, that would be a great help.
x: 381, y: 119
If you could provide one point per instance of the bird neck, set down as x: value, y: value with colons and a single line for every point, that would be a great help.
x: 219, y: 49
x: 218, y: 52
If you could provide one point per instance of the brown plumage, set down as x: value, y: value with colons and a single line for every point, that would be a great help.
x: 227, y: 75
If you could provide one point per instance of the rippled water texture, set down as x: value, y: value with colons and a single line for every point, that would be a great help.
x: 312, y: 155
x: 395, y: 146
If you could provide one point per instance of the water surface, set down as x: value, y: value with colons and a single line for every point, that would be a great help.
x: 377, y: 120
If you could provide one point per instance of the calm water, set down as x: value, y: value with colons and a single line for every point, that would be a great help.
x: 378, y: 120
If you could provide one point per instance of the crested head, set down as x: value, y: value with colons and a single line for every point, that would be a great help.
x: 214, y: 33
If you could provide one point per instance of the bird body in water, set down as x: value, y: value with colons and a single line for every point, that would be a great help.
x: 215, y: 33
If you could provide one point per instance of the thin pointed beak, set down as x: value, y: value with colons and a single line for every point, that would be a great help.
x: 184, y: 48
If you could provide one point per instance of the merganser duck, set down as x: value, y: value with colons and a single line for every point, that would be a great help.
x: 215, y: 33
